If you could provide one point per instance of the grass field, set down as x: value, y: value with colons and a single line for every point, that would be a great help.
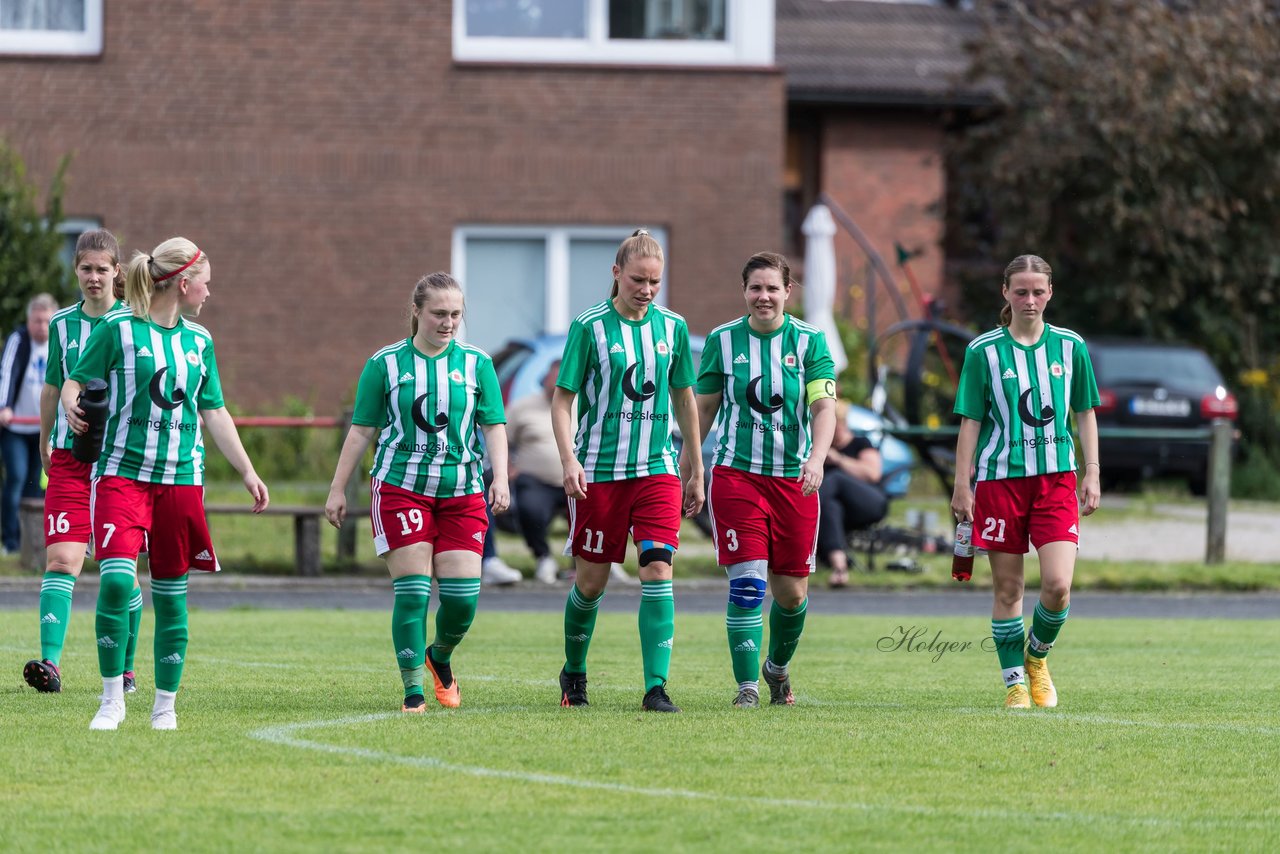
x: 1167, y: 739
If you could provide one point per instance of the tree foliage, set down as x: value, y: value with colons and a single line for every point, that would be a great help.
x: 29, y: 240
x: 1135, y: 145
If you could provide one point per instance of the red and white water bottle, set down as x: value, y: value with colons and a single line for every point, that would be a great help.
x: 962, y: 558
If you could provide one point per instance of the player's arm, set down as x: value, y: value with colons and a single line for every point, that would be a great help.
x: 575, y: 479
x: 48, y: 415
x: 708, y: 407
x: 70, y: 396
x: 222, y: 429
x: 691, y: 472
x: 966, y: 445
x: 495, y: 443
x: 1090, y: 483
x: 359, y: 437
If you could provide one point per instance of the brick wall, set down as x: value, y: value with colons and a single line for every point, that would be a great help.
x: 322, y: 159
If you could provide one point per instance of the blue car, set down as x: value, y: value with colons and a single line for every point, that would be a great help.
x: 523, y: 362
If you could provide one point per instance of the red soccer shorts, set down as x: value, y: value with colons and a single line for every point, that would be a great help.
x: 1041, y: 509
x: 125, y: 510
x: 755, y: 517
x: 401, y: 518
x: 66, y: 501
x: 646, y: 508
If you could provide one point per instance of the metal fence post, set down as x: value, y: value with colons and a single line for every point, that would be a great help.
x: 347, y: 533
x: 1219, y: 489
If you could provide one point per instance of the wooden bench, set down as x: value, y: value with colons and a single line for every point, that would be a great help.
x: 307, y: 522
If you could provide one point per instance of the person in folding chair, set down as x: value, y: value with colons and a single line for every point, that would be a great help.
x: 850, y: 498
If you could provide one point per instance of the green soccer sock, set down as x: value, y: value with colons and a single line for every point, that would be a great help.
x: 579, y: 625
x: 111, y: 622
x: 1010, y: 636
x: 657, y: 631
x: 785, y: 628
x: 458, y: 599
x: 746, y: 634
x: 409, y: 628
x: 169, y: 601
x: 55, y: 614
x: 1045, y: 625
x: 135, y: 622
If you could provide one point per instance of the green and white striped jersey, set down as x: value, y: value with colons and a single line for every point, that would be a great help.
x: 762, y: 425
x: 1021, y: 396
x: 427, y: 408
x: 623, y: 372
x: 159, y: 378
x: 68, y: 333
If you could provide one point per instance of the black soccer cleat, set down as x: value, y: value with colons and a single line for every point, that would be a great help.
x: 573, y: 689
x: 658, y: 701
x: 130, y: 682
x: 780, y: 693
x: 44, y: 676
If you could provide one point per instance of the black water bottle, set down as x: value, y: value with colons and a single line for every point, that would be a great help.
x: 87, y: 446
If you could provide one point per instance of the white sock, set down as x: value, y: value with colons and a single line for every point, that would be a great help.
x: 754, y: 687
x: 164, y: 701
x: 775, y: 669
x: 113, y: 688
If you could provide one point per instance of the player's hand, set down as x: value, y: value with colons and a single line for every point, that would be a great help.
x: 694, y: 496
x: 258, y: 490
x: 6, y: 416
x: 1090, y: 491
x: 575, y: 480
x: 499, y: 496
x: 46, y: 457
x: 810, y: 477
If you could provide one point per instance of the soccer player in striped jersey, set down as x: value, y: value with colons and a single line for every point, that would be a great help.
x: 148, y: 485
x: 768, y: 382
x: 423, y: 399
x: 1018, y: 386
x: 627, y: 363
x: 66, y: 501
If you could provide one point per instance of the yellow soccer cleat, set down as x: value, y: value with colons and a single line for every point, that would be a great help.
x: 1042, y: 690
x: 1017, y: 698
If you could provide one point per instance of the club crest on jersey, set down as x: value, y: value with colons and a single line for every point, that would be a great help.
x: 789, y: 360
x: 193, y: 360
x: 1056, y: 370
x: 661, y: 348
x: 456, y: 376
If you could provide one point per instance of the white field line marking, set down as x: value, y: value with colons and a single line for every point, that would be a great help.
x: 1083, y: 717
x: 286, y: 735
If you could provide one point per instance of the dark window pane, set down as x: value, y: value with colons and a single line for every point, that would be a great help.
x: 667, y: 19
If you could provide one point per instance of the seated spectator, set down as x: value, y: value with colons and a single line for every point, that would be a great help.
x: 850, y: 497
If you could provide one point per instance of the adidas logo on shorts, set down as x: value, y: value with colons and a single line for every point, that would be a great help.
x: 747, y: 645
x: 172, y: 658
x: 405, y: 653
x: 617, y: 348
x: 107, y: 643
x: 1008, y: 374
x: 667, y: 644
x: 204, y: 555
x: 478, y: 537
x: 741, y: 360
x: 49, y: 620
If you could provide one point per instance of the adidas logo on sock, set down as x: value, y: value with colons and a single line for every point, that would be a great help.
x: 204, y: 555
x: 406, y: 377
x: 667, y: 644
x: 741, y: 360
x: 107, y: 643
x: 406, y: 653
x: 578, y: 638
x: 1013, y: 675
x: 617, y: 348
x: 49, y: 620
x: 144, y: 353
x: 1008, y: 374
x: 1038, y: 645
x: 172, y: 658
x: 747, y: 645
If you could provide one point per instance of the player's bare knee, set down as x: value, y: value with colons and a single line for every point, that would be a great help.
x: 747, y: 581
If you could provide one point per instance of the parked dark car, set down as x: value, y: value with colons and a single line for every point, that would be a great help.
x: 1156, y: 387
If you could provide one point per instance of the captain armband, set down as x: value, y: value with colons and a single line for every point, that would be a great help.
x: 819, y: 390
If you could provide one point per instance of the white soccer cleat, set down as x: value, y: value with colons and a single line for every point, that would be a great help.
x: 164, y: 719
x: 547, y: 571
x: 110, y: 715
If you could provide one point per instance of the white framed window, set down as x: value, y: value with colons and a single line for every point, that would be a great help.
x: 526, y: 281
x: 615, y: 32
x: 71, y: 228
x: 51, y: 27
